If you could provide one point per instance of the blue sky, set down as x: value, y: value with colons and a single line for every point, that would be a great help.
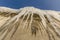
x: 42, y: 4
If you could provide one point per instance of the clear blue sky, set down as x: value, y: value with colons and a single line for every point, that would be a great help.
x: 42, y: 4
